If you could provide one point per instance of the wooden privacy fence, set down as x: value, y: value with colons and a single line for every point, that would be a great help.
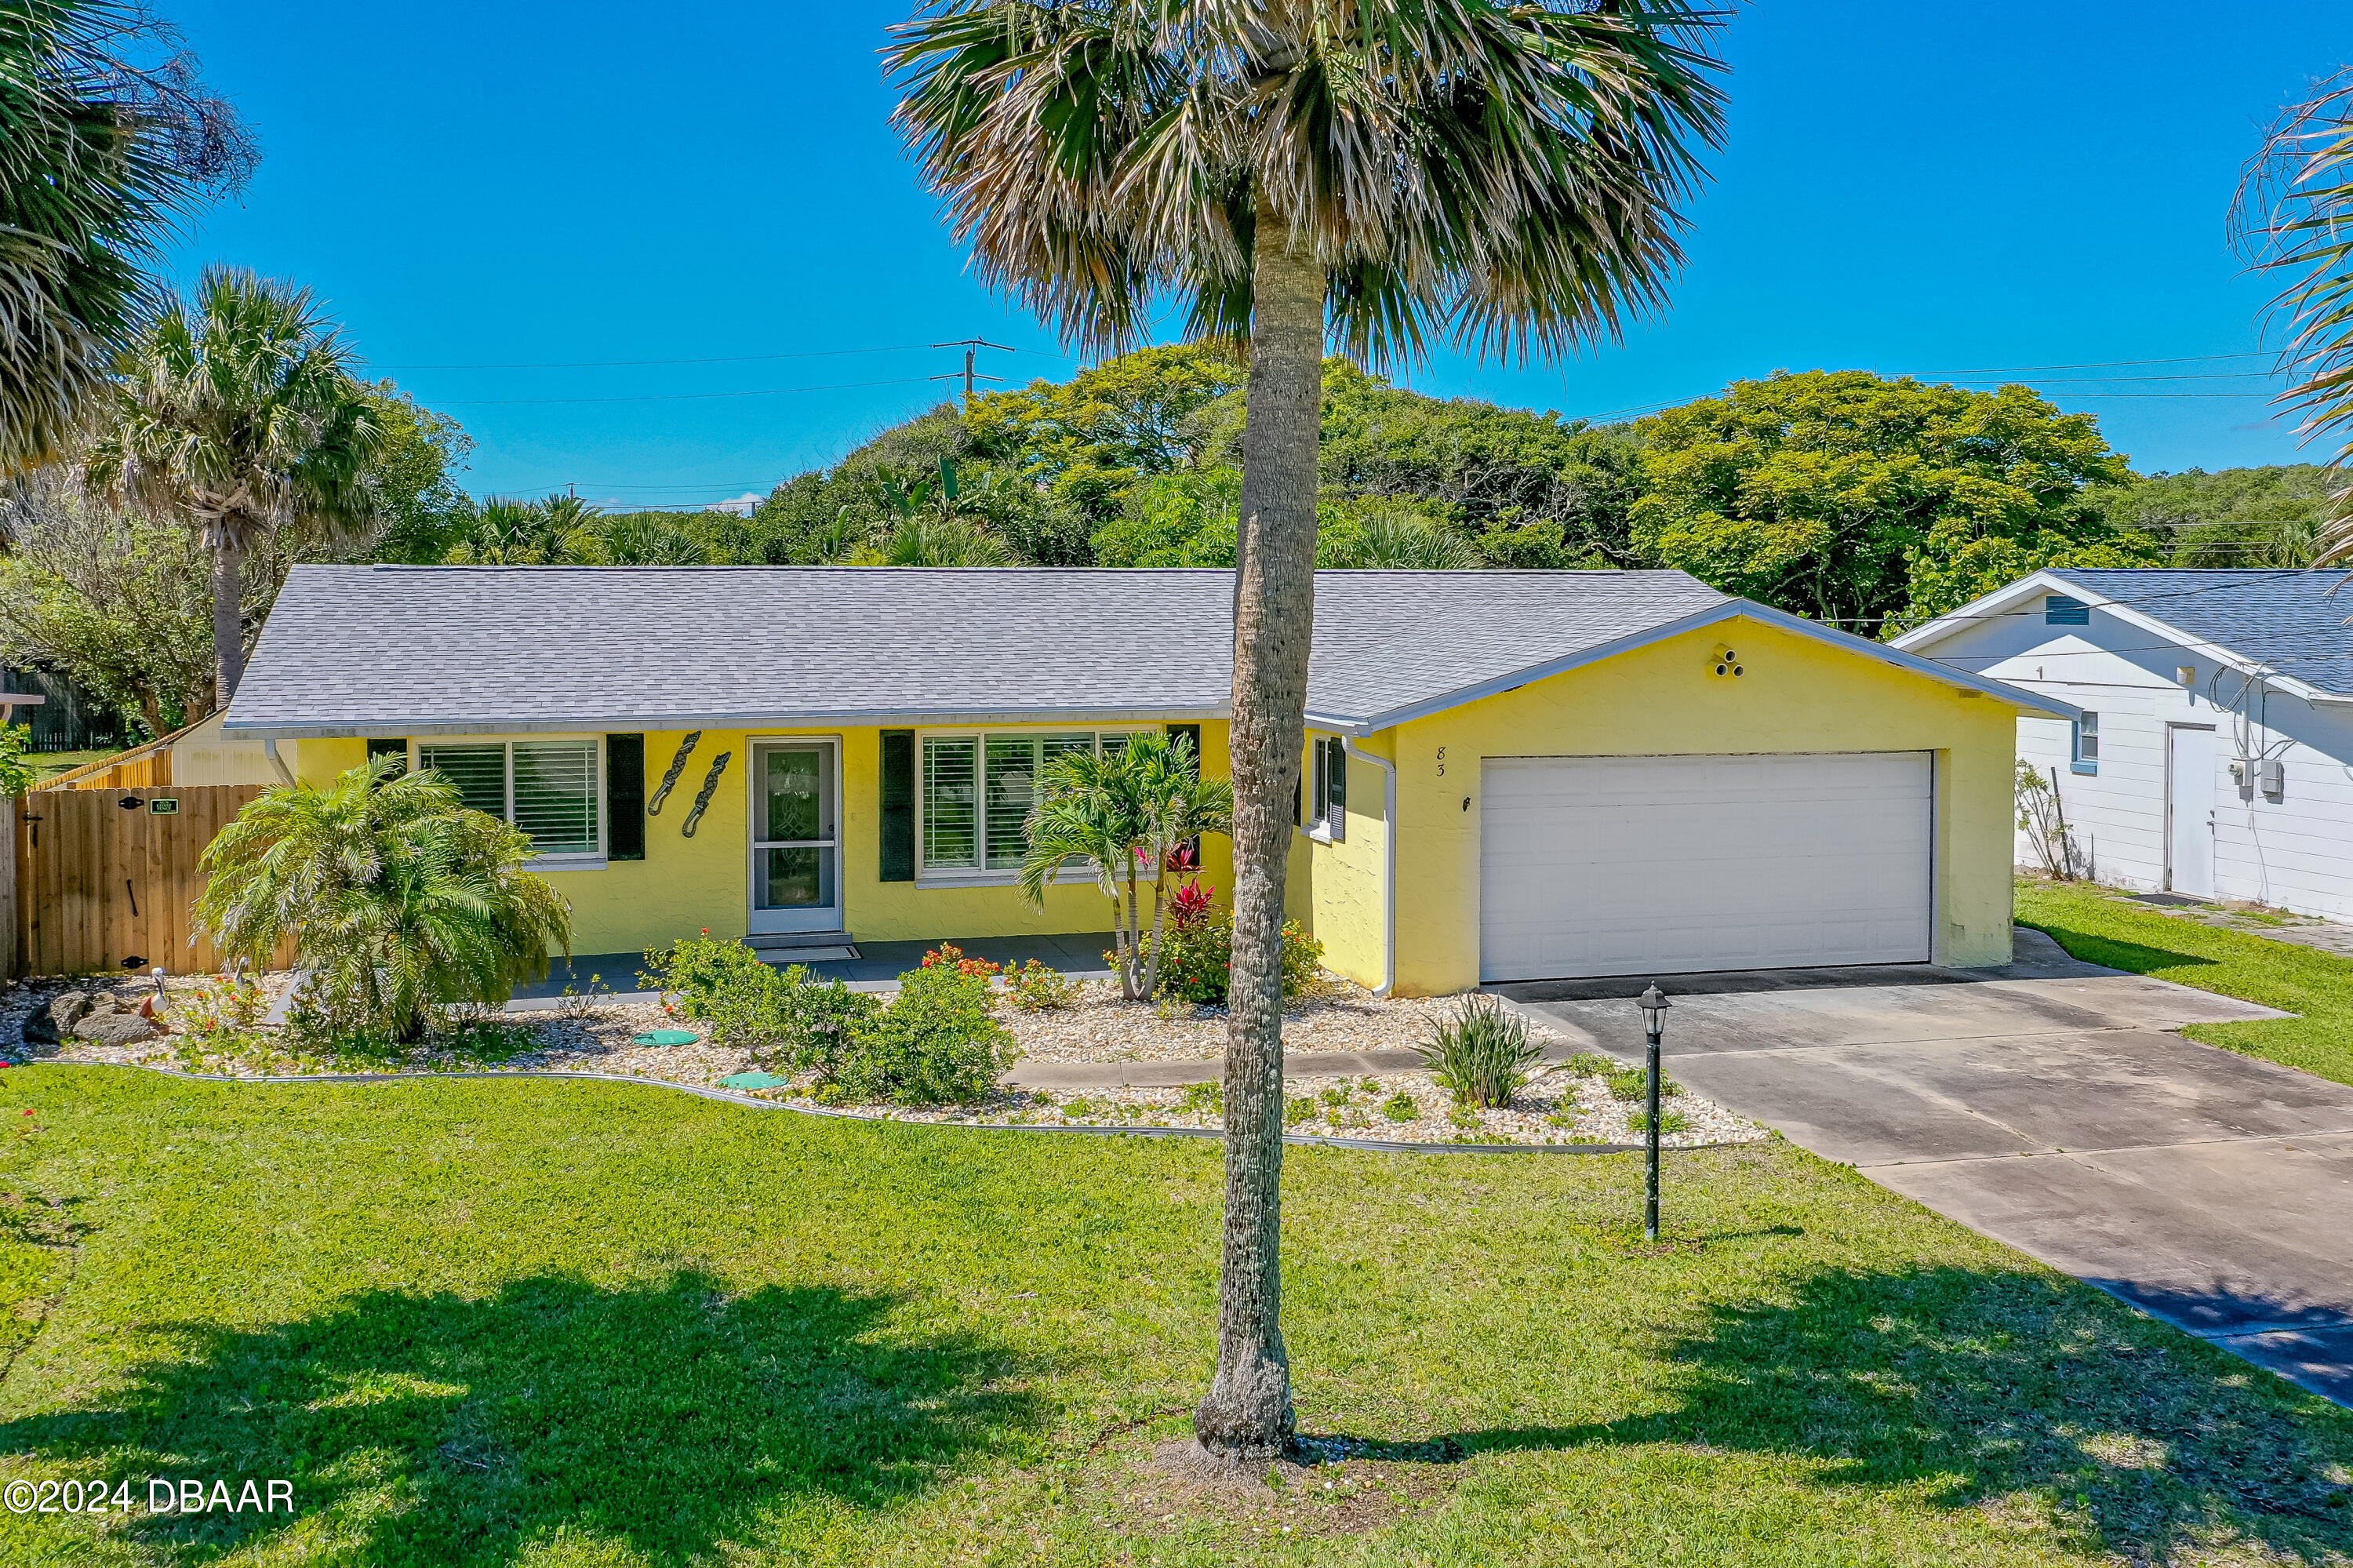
x: 105, y: 878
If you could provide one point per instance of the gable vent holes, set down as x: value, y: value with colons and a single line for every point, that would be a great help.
x: 1727, y: 662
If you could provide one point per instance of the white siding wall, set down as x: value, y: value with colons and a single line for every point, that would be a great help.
x: 2296, y: 852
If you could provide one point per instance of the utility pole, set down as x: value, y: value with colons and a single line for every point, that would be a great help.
x: 972, y: 347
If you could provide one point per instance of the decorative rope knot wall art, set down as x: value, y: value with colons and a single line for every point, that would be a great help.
x: 702, y: 796
x: 669, y: 780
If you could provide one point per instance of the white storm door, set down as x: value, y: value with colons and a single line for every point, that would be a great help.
x: 795, y: 841
x: 2191, y: 757
x: 1632, y: 865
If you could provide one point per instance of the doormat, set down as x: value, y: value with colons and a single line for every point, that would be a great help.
x: 666, y: 1037
x: 753, y: 1081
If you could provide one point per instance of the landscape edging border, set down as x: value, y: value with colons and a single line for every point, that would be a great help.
x: 728, y: 1096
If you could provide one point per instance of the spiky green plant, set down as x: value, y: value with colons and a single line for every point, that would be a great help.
x: 107, y: 134
x: 237, y: 413
x: 936, y: 542
x: 1505, y: 173
x: 1395, y: 541
x: 1481, y: 1056
x: 398, y: 897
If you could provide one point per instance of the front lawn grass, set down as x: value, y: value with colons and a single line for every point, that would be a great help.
x: 49, y: 764
x: 2103, y: 926
x: 574, y: 1323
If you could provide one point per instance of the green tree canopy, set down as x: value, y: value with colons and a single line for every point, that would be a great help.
x: 1871, y: 503
x: 414, y: 474
x: 2271, y: 516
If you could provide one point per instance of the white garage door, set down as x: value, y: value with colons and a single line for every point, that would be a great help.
x: 1624, y: 866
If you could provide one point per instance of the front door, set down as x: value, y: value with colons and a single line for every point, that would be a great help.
x: 2192, y: 756
x: 795, y: 848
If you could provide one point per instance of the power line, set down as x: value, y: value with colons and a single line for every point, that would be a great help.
x: 725, y: 359
x: 679, y: 397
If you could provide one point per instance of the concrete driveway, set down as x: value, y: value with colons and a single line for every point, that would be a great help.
x: 2047, y: 1105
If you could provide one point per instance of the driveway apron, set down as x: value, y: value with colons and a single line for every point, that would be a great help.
x: 2048, y: 1105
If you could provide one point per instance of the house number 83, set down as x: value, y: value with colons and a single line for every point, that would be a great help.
x: 1442, y: 762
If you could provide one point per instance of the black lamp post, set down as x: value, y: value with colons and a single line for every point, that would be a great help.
x: 1653, y: 1003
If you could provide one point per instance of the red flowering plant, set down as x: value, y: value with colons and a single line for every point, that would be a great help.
x: 948, y: 955
x: 1191, y: 903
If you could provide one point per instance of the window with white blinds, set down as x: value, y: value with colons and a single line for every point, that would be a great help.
x: 547, y: 788
x: 977, y: 791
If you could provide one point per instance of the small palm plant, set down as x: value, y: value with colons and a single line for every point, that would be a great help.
x: 398, y: 897
x: 1481, y: 1056
x: 1124, y: 811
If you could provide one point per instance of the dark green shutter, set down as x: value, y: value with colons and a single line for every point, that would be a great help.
x: 1335, y: 788
x: 393, y: 745
x: 624, y: 796
x: 898, y: 805
x: 1191, y: 732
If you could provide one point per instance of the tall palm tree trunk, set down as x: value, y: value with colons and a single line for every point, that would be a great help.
x: 228, y: 617
x: 1246, y: 1417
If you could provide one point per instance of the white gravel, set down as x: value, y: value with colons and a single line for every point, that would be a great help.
x: 1559, y: 1107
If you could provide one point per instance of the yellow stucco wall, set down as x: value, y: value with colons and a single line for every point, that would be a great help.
x: 1335, y: 888
x: 1797, y: 695
x: 686, y: 885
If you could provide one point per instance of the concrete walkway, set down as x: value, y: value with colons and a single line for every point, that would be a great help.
x: 2050, y: 1105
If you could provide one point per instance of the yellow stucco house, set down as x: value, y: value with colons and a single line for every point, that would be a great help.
x: 1508, y: 775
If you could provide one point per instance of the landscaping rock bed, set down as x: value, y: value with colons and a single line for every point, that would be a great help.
x: 1561, y: 1106
x: 1100, y: 1027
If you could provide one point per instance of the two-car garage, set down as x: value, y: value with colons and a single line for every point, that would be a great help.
x: 1616, y: 865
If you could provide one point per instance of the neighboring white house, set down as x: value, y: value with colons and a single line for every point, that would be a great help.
x: 2215, y: 753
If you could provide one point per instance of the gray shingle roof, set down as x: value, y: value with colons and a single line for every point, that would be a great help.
x: 405, y: 650
x: 2292, y: 620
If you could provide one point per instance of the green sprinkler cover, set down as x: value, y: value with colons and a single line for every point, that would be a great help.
x: 667, y: 1037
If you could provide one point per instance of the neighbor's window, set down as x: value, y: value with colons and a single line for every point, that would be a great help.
x: 2087, y: 743
x: 547, y: 788
x: 1328, y: 788
x: 977, y: 789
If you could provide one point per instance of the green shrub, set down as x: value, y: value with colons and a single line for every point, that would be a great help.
x: 1299, y: 1110
x: 697, y: 971
x: 1079, y: 1108
x: 1592, y: 1064
x: 1402, y: 1106
x: 1482, y: 1054
x: 1634, y: 1084
x: 1670, y: 1122
x: 1197, y: 959
x: 935, y: 1043
x: 782, y: 1017
x: 1203, y: 1099
x: 1035, y: 987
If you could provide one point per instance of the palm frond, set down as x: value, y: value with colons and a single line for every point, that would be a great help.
x: 106, y: 137
x: 2293, y: 219
x: 1504, y: 176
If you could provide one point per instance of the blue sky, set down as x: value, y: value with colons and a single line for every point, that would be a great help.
x: 499, y: 201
